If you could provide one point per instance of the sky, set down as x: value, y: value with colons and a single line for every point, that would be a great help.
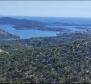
x: 46, y: 8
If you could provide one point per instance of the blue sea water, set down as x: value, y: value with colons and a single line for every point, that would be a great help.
x: 24, y: 34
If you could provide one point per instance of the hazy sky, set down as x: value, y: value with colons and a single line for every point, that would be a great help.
x: 46, y: 8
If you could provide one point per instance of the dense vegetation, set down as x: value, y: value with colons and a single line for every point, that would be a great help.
x: 24, y: 62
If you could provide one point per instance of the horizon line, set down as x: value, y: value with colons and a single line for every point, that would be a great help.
x: 45, y: 16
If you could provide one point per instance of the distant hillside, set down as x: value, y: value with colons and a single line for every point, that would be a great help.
x: 21, y: 23
x: 6, y: 35
x: 44, y: 23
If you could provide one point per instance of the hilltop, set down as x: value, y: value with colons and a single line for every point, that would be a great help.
x: 6, y: 35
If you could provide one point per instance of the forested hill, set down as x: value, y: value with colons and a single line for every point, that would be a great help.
x: 5, y: 35
x: 19, y: 23
x: 50, y: 64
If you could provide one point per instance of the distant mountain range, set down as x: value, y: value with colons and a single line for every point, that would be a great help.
x: 41, y: 23
x: 26, y: 23
x: 21, y: 23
